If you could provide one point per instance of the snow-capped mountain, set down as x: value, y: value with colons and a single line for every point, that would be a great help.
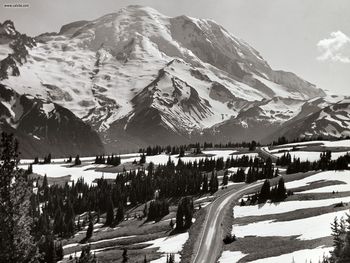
x: 139, y: 77
x: 332, y: 121
x: 45, y: 127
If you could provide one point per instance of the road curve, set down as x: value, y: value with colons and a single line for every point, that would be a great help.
x: 211, y: 237
x: 264, y: 153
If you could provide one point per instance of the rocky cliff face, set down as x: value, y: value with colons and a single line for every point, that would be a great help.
x: 45, y: 127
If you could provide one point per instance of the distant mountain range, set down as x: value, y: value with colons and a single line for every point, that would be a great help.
x: 137, y: 77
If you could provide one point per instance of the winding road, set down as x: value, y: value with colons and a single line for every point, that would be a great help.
x: 212, y: 234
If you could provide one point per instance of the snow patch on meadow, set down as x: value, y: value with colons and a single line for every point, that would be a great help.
x: 309, y: 156
x: 231, y: 256
x: 305, y: 255
x: 343, y: 176
x: 59, y: 169
x: 305, y: 228
x: 168, y: 245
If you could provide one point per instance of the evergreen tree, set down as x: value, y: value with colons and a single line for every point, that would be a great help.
x: 143, y: 159
x: 338, y: 242
x: 16, y: 242
x: 179, y: 217
x: 265, y: 192
x: 281, y: 189
x: 90, y: 229
x: 59, y: 251
x: 77, y: 160
x: 119, y: 217
x: 45, y: 187
x: 30, y: 169
x: 205, y: 184
x: 225, y: 178
x: 50, y: 255
x: 110, y: 212
x: 125, y: 255
x: 170, y: 258
x: 184, y: 213
x: 214, y: 183
x: 86, y: 256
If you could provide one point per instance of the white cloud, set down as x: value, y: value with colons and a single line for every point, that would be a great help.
x: 335, y: 48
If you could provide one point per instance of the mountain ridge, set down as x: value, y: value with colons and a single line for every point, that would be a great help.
x: 182, y: 75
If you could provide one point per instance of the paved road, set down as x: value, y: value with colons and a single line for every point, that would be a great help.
x: 212, y: 234
x: 264, y: 153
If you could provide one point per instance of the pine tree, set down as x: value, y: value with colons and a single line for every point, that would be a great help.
x: 16, y: 242
x: 45, y: 187
x: 30, y: 169
x: 225, y: 178
x: 179, y: 217
x: 143, y: 159
x: 171, y: 258
x: 341, y: 241
x: 77, y: 160
x: 265, y: 192
x: 338, y: 243
x: 184, y: 213
x: 125, y: 255
x: 281, y: 189
x: 119, y: 217
x: 110, y: 212
x: 90, y: 229
x: 50, y: 255
x: 205, y: 184
x: 86, y: 256
x: 59, y: 251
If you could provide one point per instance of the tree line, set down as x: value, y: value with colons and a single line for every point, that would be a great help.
x: 324, y: 163
x: 276, y: 193
x: 195, y: 147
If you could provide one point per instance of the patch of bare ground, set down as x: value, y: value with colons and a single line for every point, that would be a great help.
x: 315, y: 185
x: 298, y: 176
x: 134, y: 255
x: 292, y: 215
x: 110, y: 241
x: 316, y: 196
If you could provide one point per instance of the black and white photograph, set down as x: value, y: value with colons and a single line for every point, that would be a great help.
x: 175, y: 131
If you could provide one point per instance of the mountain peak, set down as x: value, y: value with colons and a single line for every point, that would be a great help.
x: 139, y: 8
x: 8, y: 28
x: 138, y: 67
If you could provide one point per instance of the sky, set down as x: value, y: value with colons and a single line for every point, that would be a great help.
x: 308, y: 37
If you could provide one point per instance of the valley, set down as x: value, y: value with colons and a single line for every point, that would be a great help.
x: 295, y: 221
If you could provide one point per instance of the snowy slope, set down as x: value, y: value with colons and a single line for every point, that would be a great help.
x: 43, y: 127
x: 190, y: 74
x: 332, y: 121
